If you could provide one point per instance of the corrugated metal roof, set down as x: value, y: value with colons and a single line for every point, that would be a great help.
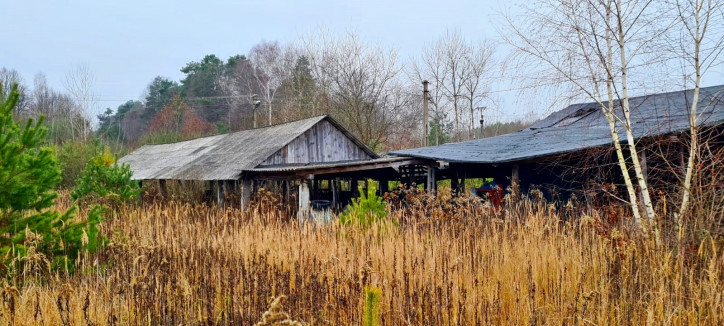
x: 582, y: 126
x: 220, y: 157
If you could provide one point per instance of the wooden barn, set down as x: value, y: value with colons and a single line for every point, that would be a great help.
x: 317, y: 156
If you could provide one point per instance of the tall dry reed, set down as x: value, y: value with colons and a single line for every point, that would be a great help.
x: 181, y: 264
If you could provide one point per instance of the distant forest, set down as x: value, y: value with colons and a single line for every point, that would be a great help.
x: 363, y: 86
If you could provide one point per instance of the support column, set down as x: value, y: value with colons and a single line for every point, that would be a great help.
x: 140, y: 193
x: 162, y: 189
x: 303, y: 212
x: 454, y: 187
x: 644, y: 166
x: 514, y: 180
x: 354, y: 184
x: 219, y: 193
x: 431, y: 184
x: 245, y: 193
x: 333, y: 188
x: 384, y: 186
x: 462, y: 186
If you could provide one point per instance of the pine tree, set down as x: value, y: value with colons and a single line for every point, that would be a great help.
x: 28, y: 175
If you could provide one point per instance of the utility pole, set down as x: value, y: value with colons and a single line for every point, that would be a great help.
x: 482, y: 120
x: 255, y: 105
x: 425, y: 98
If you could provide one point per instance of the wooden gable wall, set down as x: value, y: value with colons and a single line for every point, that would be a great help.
x: 321, y: 143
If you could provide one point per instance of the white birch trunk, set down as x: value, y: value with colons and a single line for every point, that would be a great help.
x: 643, y: 184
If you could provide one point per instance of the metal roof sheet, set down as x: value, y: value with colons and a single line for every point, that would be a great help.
x: 582, y: 126
x: 220, y: 157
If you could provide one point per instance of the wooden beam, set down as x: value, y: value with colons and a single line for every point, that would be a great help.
x: 305, y: 172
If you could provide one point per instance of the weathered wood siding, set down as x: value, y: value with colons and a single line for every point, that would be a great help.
x: 321, y: 143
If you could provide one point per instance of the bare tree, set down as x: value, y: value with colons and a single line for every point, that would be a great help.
x: 360, y: 82
x: 479, y: 62
x: 455, y: 51
x: 593, y: 45
x: 430, y: 67
x: 238, y: 85
x: 80, y: 84
x: 272, y: 65
x: 60, y: 110
x: 700, y: 51
x: 8, y: 77
x: 457, y: 71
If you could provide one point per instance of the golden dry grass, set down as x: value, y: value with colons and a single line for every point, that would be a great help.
x: 176, y: 264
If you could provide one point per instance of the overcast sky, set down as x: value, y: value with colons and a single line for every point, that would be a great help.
x: 127, y: 43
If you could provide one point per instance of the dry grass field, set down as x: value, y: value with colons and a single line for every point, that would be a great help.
x: 177, y: 264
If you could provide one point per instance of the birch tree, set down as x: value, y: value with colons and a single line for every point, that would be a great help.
x: 592, y: 45
x: 700, y: 51
x: 272, y: 65
x: 80, y: 84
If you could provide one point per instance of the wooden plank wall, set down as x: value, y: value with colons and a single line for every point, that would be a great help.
x: 321, y: 143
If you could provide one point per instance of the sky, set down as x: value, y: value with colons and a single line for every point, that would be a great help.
x: 125, y: 44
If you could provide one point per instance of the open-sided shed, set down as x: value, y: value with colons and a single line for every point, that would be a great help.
x: 535, y: 155
x: 288, y: 153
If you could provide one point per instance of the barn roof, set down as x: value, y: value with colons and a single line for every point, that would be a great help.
x: 581, y: 126
x: 220, y: 157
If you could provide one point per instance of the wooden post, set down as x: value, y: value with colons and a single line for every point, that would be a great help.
x: 431, y: 184
x: 384, y: 186
x: 162, y: 188
x: 303, y: 212
x: 245, y: 193
x: 333, y: 188
x: 644, y: 166
x: 140, y: 193
x: 454, y: 186
x: 514, y: 180
x: 353, y: 186
x: 219, y: 194
x: 462, y: 185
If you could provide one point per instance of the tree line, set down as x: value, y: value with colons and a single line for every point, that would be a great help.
x: 367, y: 87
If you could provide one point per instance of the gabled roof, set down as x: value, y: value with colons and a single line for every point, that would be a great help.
x: 581, y: 126
x: 220, y: 157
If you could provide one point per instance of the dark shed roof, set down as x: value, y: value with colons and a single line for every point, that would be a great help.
x: 220, y: 157
x: 581, y: 126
